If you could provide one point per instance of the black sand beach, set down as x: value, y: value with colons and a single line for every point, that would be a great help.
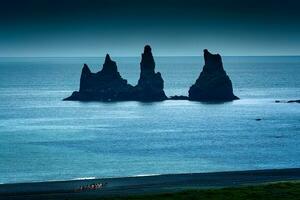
x: 144, y: 185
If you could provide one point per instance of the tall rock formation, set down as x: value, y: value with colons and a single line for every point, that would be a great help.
x: 213, y: 83
x: 150, y: 86
x: 105, y: 85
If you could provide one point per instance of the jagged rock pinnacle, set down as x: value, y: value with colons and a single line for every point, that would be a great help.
x: 150, y: 86
x: 85, y: 75
x: 213, y: 62
x: 105, y: 85
x: 107, y: 58
x: 147, y: 63
x: 109, y: 66
x: 108, y: 85
x: 147, y: 49
x: 213, y: 83
x: 86, y: 69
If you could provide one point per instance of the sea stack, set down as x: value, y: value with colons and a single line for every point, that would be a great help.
x: 150, y: 86
x: 105, y: 85
x: 213, y: 83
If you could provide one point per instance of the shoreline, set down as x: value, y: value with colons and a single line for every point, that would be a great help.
x: 152, y: 184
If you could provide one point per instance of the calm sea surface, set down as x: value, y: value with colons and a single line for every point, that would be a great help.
x: 45, y: 138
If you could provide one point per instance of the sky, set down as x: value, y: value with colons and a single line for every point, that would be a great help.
x: 49, y: 28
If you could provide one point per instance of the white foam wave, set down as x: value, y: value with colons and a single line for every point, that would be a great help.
x: 141, y: 175
x: 84, y: 178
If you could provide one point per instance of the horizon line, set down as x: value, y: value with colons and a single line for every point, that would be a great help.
x: 153, y: 55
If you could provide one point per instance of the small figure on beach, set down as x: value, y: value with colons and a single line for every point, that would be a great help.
x: 94, y: 186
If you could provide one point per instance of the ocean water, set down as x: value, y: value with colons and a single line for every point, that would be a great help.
x: 45, y: 138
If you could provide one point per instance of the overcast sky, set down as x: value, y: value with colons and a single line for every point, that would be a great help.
x: 122, y: 28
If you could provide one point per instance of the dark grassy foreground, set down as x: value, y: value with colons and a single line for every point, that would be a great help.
x: 274, y: 191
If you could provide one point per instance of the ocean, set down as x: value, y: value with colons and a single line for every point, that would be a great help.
x: 43, y: 138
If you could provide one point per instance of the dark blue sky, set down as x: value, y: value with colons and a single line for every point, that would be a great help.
x: 122, y: 28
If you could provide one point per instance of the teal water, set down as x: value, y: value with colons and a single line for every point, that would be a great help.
x: 44, y: 138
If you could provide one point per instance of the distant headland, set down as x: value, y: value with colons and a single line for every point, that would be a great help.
x: 107, y: 85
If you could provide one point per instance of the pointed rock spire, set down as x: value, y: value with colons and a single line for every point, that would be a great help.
x: 150, y: 86
x: 85, y: 74
x: 109, y: 66
x: 213, y: 83
x: 105, y: 85
x: 86, y: 69
x: 147, y: 63
x: 107, y: 58
x: 213, y: 62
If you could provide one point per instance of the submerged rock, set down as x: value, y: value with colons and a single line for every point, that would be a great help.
x: 294, y: 101
x: 105, y: 85
x: 213, y: 83
x: 150, y: 86
x: 290, y: 101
